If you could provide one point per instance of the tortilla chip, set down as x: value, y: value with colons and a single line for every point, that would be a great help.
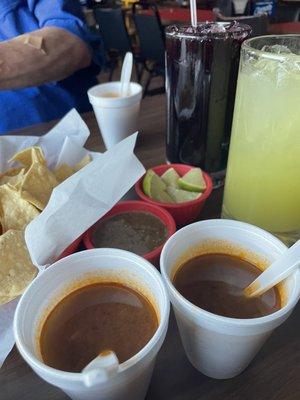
x: 16, y: 268
x: 4, y: 299
x: 29, y: 156
x: 15, y: 212
x: 17, y: 182
x: 63, y: 172
x: 37, y: 185
x: 85, y: 161
x: 13, y: 180
x: 11, y: 172
x: 6, y: 179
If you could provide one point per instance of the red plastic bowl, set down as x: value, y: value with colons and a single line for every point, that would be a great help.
x: 183, y: 213
x: 126, y: 206
x: 70, y: 249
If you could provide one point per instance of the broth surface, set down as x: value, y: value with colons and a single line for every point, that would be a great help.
x: 110, y: 94
x: 138, y: 231
x: 95, y: 318
x: 215, y: 283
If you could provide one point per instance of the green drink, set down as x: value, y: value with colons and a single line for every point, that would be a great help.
x: 263, y: 176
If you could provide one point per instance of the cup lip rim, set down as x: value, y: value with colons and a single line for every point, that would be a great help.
x: 33, y: 361
x: 247, y: 46
x: 113, y: 100
x: 197, y: 311
x: 216, y: 35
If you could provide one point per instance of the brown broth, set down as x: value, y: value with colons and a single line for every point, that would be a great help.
x: 110, y: 94
x: 215, y: 283
x: 95, y: 318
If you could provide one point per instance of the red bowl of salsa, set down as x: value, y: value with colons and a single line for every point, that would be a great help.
x: 183, y: 213
x: 135, y: 226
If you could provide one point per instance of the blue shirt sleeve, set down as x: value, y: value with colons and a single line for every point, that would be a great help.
x: 67, y: 14
x: 64, y: 14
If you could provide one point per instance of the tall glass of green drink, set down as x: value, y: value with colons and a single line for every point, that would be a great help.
x: 263, y: 175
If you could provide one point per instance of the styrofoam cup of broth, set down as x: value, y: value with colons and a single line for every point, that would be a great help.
x: 117, y: 116
x: 218, y: 346
x: 99, y: 265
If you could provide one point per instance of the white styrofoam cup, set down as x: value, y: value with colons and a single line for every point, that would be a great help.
x: 133, y: 377
x: 218, y: 346
x: 117, y: 117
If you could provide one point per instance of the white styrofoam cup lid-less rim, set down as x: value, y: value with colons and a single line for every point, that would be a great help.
x: 97, y: 98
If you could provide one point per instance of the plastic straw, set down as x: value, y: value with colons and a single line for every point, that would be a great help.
x: 193, y: 8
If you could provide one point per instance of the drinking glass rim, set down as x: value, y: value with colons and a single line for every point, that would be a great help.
x: 199, y: 35
x: 247, y: 46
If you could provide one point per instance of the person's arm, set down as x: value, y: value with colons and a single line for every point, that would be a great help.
x: 46, y: 55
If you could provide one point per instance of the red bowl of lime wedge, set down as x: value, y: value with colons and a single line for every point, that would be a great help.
x: 183, y: 200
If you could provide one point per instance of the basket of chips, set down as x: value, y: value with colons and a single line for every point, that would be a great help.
x: 24, y: 193
x: 52, y: 190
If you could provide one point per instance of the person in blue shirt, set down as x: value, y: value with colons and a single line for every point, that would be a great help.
x: 46, y: 62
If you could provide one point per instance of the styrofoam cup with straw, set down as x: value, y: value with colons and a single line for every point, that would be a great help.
x: 117, y: 105
x: 103, y: 378
x: 218, y: 346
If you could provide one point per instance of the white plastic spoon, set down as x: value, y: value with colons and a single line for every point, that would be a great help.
x: 126, y: 74
x: 101, y: 368
x: 276, y: 272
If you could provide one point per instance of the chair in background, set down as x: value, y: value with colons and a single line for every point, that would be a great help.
x: 151, y: 39
x: 287, y: 13
x: 111, y: 23
x: 258, y: 23
x: 224, y: 7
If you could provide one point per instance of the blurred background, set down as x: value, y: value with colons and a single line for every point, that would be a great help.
x: 138, y: 26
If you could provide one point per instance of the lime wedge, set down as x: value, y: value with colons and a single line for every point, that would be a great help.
x: 193, y: 181
x: 154, y: 187
x: 160, y: 195
x: 152, y: 179
x: 170, y: 177
x: 181, y: 196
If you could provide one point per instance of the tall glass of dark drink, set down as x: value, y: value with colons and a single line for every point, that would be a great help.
x: 201, y: 74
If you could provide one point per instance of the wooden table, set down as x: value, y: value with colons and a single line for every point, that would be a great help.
x: 273, y: 375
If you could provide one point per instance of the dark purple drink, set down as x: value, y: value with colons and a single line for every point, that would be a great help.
x: 201, y: 73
